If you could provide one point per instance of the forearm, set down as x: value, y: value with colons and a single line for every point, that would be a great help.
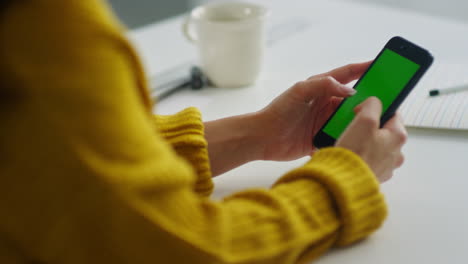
x: 233, y: 141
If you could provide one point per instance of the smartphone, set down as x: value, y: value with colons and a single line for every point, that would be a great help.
x: 391, y: 77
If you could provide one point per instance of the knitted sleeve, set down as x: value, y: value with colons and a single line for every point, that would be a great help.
x: 184, y: 131
x: 87, y: 179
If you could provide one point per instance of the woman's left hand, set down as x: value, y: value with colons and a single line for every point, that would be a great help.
x: 290, y: 122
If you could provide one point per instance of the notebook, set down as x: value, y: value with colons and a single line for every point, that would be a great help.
x: 448, y: 111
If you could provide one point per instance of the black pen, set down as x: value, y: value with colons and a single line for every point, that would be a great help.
x: 454, y: 89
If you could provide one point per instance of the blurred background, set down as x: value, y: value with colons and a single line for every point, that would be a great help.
x: 137, y: 13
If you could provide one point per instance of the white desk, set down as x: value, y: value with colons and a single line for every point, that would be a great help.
x: 428, y: 196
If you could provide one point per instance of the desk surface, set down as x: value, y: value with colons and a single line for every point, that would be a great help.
x: 428, y: 221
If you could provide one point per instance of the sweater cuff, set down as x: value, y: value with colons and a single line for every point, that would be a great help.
x: 185, y: 132
x: 354, y: 188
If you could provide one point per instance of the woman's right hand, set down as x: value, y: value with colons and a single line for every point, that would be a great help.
x: 379, y: 147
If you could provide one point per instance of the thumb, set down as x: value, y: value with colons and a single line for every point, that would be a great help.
x: 369, y: 111
x: 323, y: 86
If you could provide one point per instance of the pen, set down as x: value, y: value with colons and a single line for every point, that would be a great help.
x: 453, y: 89
x: 177, y: 79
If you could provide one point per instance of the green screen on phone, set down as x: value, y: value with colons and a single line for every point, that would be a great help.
x: 386, y: 78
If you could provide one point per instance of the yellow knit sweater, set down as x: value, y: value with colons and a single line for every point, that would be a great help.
x: 88, y: 175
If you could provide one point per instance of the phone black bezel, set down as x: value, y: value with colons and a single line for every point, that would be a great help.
x: 404, y: 48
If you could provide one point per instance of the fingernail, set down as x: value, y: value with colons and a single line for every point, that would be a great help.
x: 348, y: 90
x: 357, y: 109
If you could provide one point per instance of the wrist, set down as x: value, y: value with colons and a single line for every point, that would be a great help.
x: 234, y: 141
x: 257, y: 134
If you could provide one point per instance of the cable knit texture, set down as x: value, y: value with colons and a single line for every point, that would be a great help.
x: 89, y: 175
x: 185, y: 132
x: 360, y: 205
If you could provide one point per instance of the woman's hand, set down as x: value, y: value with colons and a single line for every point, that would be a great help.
x: 290, y: 122
x: 285, y: 128
x: 379, y: 147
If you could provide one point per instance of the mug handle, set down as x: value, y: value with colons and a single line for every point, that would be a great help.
x: 187, y: 30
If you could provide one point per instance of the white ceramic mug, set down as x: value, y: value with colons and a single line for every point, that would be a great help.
x: 230, y: 37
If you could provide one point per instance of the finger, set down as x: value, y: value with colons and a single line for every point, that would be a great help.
x: 367, y: 118
x: 385, y: 177
x: 368, y: 113
x: 326, y: 111
x: 334, y: 103
x: 400, y: 160
x: 397, y: 128
x: 348, y: 73
x: 322, y: 86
